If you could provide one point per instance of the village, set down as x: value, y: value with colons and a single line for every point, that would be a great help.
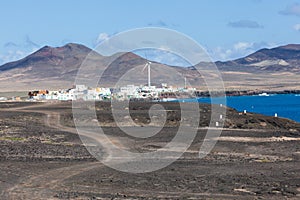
x: 129, y: 92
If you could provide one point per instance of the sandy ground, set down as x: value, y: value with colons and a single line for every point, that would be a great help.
x: 42, y: 157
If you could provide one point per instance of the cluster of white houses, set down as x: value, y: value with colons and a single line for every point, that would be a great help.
x: 82, y: 92
x: 76, y: 93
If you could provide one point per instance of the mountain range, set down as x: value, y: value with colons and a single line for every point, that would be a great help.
x: 283, y: 58
x: 56, y: 67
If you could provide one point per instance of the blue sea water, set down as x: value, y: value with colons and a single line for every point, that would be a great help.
x: 285, y: 105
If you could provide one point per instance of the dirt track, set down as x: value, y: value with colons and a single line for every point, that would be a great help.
x: 258, y: 167
x: 47, y: 182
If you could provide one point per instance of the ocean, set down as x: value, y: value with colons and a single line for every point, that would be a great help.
x: 285, y: 105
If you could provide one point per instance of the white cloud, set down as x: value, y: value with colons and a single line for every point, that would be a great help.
x: 242, y: 46
x: 101, y: 37
x: 13, y: 55
x: 220, y: 53
x: 14, y: 51
x: 297, y: 27
x: 237, y: 50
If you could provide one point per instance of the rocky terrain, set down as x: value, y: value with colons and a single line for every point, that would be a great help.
x: 42, y: 157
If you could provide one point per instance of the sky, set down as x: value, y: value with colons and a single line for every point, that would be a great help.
x: 227, y: 29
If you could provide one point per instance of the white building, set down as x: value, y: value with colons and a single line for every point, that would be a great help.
x: 127, y: 92
x: 80, y: 88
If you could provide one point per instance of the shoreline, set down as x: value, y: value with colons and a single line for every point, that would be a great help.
x: 215, y: 95
x: 198, y: 93
x: 245, y: 92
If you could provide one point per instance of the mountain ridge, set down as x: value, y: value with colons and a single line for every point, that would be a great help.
x: 287, y: 57
x: 48, y: 53
x: 57, y: 67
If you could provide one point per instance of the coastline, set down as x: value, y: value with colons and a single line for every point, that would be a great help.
x: 289, y: 112
x: 198, y: 93
x: 276, y: 104
x: 245, y: 92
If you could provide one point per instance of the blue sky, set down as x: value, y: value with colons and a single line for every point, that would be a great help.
x: 226, y: 28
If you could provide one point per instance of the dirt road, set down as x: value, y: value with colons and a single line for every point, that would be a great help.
x: 43, y: 185
x: 245, y: 164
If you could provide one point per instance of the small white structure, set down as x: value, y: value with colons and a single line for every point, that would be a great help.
x: 3, y: 99
x: 127, y: 92
x: 65, y: 97
x: 103, y: 93
x: 80, y: 88
x: 52, y: 95
x: 264, y: 94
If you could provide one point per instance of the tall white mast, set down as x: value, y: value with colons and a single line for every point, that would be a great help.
x: 148, y: 64
x: 149, y: 74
